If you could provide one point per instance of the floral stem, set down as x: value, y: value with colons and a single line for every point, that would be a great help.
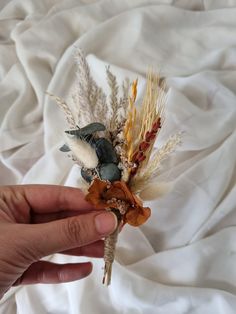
x: 109, y: 255
x: 109, y: 250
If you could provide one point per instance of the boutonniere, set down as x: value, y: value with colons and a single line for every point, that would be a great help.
x: 112, y: 139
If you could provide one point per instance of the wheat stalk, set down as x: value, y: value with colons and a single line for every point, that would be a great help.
x: 159, y: 102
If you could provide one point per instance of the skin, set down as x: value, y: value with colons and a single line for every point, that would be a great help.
x: 39, y: 220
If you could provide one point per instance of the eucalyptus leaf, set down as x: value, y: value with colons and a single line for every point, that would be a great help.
x: 87, y: 175
x: 65, y: 148
x: 110, y: 172
x: 87, y: 130
x: 105, y: 151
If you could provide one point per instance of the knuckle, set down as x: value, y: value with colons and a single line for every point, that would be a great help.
x: 30, y: 253
x: 76, y: 231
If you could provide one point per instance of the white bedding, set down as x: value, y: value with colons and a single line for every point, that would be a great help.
x: 183, y: 260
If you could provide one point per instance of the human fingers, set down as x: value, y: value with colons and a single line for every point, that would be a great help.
x: 95, y: 249
x: 47, y: 217
x: 53, y: 198
x: 47, y: 238
x: 47, y: 272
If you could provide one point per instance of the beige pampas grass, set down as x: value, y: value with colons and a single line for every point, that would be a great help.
x: 63, y: 105
x: 83, y: 152
x: 160, y: 154
x: 89, y: 102
x: 112, y: 82
x: 151, y: 170
x: 155, y: 190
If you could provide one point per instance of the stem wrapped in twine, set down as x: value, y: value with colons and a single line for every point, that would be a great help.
x: 109, y: 255
x: 109, y: 250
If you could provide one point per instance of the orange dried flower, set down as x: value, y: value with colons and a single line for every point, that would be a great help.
x: 104, y: 194
x: 95, y: 195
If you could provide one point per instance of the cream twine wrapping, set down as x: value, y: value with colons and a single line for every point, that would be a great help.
x: 110, y: 247
x: 109, y: 255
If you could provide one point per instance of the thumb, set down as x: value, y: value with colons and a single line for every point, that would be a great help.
x: 48, y: 238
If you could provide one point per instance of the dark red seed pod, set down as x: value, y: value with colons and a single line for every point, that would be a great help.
x: 134, y: 157
x: 156, y: 125
x: 141, y: 158
x: 139, y: 155
x: 150, y: 136
x: 147, y: 136
x: 133, y: 171
x: 144, y: 146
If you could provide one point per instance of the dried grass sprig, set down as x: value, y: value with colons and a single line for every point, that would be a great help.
x: 98, y: 104
x: 114, y: 89
x: 143, y: 126
x: 80, y: 95
x: 152, y: 168
x: 123, y: 104
x: 63, y: 105
x: 161, y: 154
x: 155, y: 190
x: 157, y: 125
x: 148, y: 111
x: 125, y: 97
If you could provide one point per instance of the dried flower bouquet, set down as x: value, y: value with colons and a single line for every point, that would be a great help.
x: 112, y: 140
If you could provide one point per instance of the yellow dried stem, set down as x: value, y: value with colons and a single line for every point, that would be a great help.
x: 131, y: 122
x: 134, y: 90
x: 140, y: 122
x: 160, y: 105
x: 149, y: 110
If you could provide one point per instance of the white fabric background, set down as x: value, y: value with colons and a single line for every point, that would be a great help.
x: 183, y: 260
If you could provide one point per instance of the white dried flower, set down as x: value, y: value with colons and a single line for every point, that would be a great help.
x: 83, y: 152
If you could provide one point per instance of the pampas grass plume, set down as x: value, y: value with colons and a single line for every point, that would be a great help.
x: 155, y: 190
x: 83, y: 152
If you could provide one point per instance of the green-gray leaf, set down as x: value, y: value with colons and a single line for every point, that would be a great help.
x: 87, y: 130
x: 64, y: 148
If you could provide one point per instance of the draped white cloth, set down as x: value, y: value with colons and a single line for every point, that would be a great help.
x: 183, y: 260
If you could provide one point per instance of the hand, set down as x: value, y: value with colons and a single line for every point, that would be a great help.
x: 39, y: 220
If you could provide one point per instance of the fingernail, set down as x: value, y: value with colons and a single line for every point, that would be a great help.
x: 106, y: 223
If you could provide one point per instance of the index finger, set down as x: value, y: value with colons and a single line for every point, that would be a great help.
x: 54, y: 198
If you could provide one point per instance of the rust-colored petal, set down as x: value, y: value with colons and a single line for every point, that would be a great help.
x: 103, y: 195
x: 137, y: 200
x: 96, y: 191
x: 120, y: 190
x: 136, y: 216
x: 114, y: 192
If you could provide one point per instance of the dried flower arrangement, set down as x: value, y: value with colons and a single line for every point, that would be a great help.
x: 112, y: 140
